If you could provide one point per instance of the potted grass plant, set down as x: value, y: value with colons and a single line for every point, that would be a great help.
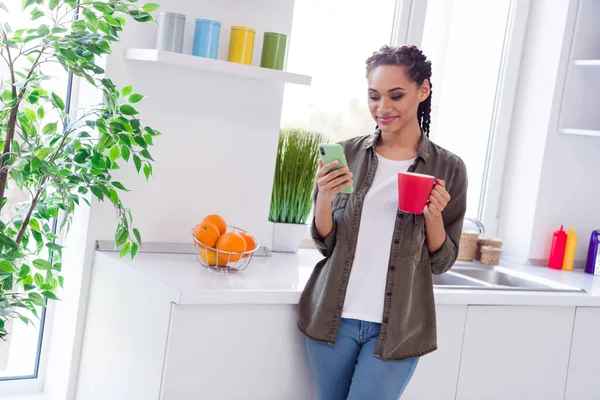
x: 291, y: 201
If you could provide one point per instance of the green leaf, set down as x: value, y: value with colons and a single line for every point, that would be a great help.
x: 41, y: 113
x: 112, y: 193
x: 147, y: 170
x: 102, y: 7
x: 38, y: 279
x: 135, y: 98
x: 125, y: 249
x: 30, y: 114
x: 121, y: 235
x: 125, y: 152
x: 42, y: 264
x: 149, y: 140
x: 61, y: 281
x: 50, y: 129
x: 115, y: 152
x: 49, y: 295
x: 43, y: 152
x: 127, y: 91
x: 24, y: 319
x: 97, y: 192
x: 140, y: 141
x: 7, y: 267
x: 120, y: 186
x: 53, y: 4
x: 18, y: 177
x: 128, y: 110
x: 35, y: 164
x: 57, y: 101
x: 56, y: 247
x: 137, y: 235
x: 137, y: 162
x: 35, y: 225
x: 36, y: 13
x: 149, y: 7
x: 146, y: 154
x: 91, y: 18
x: 134, y: 250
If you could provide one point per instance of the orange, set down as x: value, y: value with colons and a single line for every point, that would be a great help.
x: 210, y: 257
x: 250, y: 242
x: 207, y: 234
x: 218, y: 221
x: 231, y: 241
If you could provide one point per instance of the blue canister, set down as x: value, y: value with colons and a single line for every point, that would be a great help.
x: 592, y: 265
x: 206, y: 38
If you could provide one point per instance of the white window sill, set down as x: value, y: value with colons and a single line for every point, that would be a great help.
x: 26, y: 396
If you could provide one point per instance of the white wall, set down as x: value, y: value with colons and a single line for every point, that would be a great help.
x: 548, y: 177
x: 218, y: 148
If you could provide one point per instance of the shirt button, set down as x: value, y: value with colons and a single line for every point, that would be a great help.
x: 392, y: 268
x: 389, y: 294
x: 385, y: 320
x: 396, y: 241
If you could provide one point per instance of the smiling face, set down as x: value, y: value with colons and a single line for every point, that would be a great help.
x: 394, y: 98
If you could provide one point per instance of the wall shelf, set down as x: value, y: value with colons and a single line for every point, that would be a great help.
x: 220, y: 67
x: 587, y: 63
x: 581, y: 132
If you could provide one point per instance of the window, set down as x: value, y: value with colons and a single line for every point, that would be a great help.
x: 331, y: 40
x: 20, y: 353
x: 474, y: 47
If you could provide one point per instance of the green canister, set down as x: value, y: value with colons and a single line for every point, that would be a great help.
x: 273, y: 51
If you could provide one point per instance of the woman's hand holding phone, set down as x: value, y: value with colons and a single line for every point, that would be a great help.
x: 332, y: 181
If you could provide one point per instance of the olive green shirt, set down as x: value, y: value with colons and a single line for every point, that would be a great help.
x: 408, y: 327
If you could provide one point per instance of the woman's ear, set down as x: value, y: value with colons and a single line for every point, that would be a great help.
x: 424, y: 90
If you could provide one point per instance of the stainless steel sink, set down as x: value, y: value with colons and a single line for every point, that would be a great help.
x: 452, y: 280
x: 496, y: 278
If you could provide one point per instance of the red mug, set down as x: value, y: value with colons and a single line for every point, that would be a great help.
x: 413, y: 191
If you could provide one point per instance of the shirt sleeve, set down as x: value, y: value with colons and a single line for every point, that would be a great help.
x: 445, y: 257
x: 324, y: 245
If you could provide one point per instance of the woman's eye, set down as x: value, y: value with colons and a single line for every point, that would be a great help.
x: 396, y: 98
x: 373, y: 98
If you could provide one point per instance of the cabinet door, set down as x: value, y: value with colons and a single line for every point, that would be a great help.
x: 515, y: 352
x: 582, y: 381
x: 441, y: 366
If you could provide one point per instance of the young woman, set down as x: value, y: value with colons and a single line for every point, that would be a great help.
x: 368, y: 309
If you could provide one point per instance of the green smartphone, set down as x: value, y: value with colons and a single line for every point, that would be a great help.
x: 329, y: 152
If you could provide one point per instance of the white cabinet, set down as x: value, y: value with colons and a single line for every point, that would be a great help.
x: 582, y: 380
x: 515, y: 352
x: 236, y: 351
x: 442, y: 365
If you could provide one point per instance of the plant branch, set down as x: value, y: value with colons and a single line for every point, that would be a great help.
x: 12, y: 120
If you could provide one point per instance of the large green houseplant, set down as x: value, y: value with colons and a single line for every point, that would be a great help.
x: 57, y: 162
x: 293, y: 183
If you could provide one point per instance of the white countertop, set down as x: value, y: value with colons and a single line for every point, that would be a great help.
x: 280, y: 279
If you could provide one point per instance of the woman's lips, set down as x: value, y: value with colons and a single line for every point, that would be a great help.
x: 386, y: 120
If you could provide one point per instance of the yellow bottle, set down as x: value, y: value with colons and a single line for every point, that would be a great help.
x: 569, y: 259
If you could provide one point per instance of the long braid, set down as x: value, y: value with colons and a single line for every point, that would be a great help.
x: 418, y: 69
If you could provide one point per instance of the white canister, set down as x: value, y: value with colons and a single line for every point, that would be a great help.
x: 171, y: 28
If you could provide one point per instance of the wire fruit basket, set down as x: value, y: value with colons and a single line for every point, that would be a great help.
x: 221, y: 260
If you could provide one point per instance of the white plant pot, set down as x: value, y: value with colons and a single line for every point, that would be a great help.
x: 287, y: 237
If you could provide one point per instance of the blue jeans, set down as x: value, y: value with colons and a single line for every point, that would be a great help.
x: 349, y: 370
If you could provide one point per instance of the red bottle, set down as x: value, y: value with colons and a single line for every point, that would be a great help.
x: 557, y: 252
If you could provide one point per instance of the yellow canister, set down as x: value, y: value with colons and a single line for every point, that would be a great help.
x: 241, y: 45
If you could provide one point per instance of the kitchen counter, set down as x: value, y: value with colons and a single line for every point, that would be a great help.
x: 280, y: 279
x: 162, y: 326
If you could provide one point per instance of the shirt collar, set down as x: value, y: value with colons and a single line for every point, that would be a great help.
x: 424, y: 146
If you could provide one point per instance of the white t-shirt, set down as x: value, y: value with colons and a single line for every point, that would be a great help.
x: 366, y: 286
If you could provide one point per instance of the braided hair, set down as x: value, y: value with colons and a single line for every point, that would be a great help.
x: 418, y: 68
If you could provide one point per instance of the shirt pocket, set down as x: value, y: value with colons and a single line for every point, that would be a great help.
x: 417, y: 242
